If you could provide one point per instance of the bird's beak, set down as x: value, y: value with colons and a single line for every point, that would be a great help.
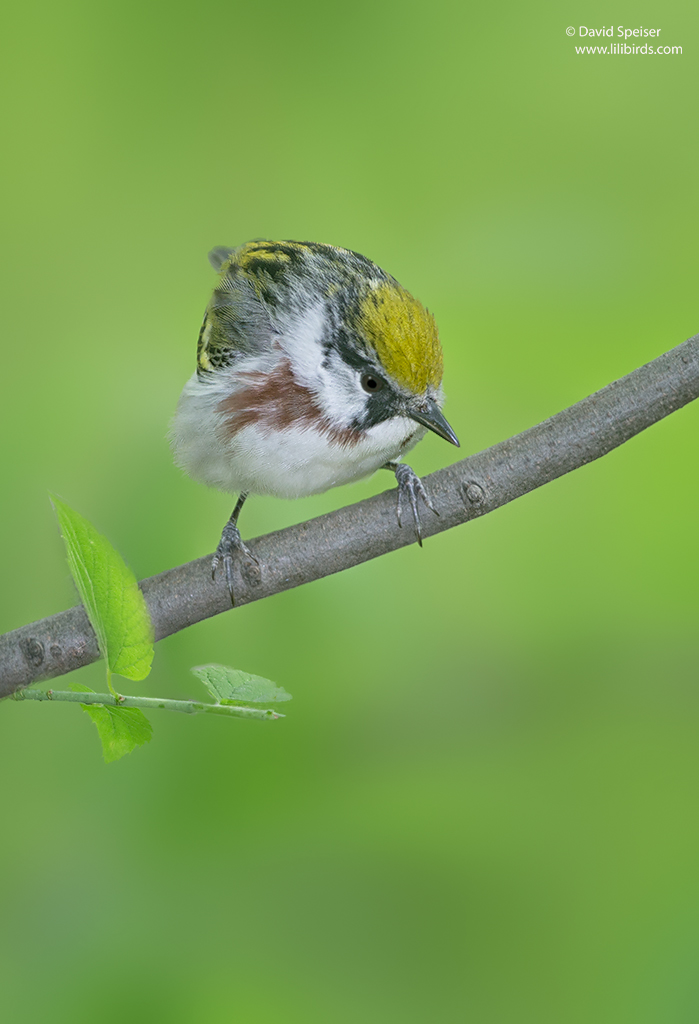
x: 430, y: 415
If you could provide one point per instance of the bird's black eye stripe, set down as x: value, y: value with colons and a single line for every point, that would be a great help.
x: 371, y: 383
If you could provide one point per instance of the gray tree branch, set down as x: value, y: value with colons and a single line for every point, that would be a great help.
x: 333, y: 542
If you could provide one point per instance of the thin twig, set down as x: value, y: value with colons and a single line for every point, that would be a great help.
x: 189, y: 707
x: 336, y: 541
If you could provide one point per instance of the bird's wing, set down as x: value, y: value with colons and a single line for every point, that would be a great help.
x: 238, y: 320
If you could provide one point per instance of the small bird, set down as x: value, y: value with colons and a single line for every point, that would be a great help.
x: 314, y: 368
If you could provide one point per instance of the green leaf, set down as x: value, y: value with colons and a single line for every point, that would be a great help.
x: 231, y: 686
x: 109, y: 590
x: 121, y: 730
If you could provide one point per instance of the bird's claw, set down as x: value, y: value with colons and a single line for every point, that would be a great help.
x: 230, y: 543
x: 410, y: 488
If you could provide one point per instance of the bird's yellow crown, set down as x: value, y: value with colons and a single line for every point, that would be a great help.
x: 404, y: 335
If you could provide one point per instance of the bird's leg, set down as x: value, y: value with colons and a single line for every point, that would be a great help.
x: 230, y: 542
x: 410, y: 488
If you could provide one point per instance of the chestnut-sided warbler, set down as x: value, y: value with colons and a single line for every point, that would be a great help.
x: 314, y: 368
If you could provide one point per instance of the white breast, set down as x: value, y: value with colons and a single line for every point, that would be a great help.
x: 258, y: 458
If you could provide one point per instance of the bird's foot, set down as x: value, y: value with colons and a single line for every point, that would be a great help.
x: 231, y: 543
x: 410, y: 488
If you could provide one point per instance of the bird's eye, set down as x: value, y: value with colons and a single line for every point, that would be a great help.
x: 370, y: 383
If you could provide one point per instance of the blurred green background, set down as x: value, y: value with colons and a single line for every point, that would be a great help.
x: 483, y: 804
